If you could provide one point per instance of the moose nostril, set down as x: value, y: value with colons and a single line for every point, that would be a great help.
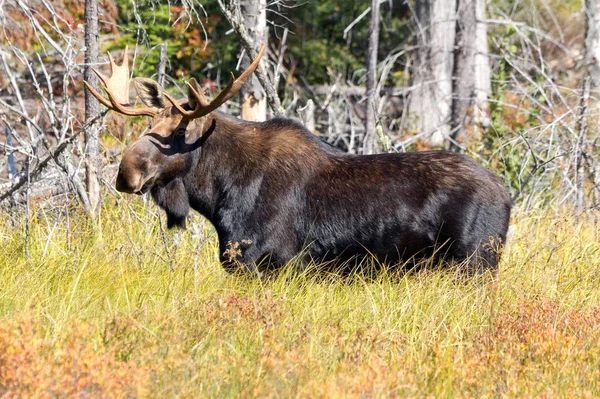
x: 144, y: 188
x: 121, y: 183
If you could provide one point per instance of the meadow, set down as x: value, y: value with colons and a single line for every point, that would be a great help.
x: 126, y: 309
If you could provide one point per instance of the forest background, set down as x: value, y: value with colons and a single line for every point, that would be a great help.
x: 509, y: 83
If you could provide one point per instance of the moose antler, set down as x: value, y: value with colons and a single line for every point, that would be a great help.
x: 204, y: 107
x: 117, y: 89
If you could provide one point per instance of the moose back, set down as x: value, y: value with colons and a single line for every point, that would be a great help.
x: 274, y: 192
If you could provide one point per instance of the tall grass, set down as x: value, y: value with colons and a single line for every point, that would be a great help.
x: 125, y: 310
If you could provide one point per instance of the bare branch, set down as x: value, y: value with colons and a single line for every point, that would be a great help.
x: 23, y: 177
x: 234, y: 16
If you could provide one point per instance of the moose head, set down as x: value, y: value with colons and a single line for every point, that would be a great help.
x: 177, y: 129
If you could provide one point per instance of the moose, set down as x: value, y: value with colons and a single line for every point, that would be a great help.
x: 276, y: 192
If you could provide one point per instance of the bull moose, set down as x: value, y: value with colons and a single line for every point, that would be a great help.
x: 275, y: 192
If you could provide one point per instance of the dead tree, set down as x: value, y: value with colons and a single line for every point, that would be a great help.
x: 92, y: 153
x: 50, y: 126
x: 232, y: 11
x: 471, y: 76
x: 254, y: 105
x: 372, y: 95
x: 592, y: 40
x: 451, y: 80
x: 591, y: 80
x: 431, y: 97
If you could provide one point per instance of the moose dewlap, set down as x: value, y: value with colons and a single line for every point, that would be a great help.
x: 274, y: 192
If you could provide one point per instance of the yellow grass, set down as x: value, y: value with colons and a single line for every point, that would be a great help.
x: 116, y: 314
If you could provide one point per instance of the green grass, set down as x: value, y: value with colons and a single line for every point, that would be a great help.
x: 124, y: 311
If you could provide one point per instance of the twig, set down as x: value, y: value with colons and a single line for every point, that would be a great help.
x: 582, y: 133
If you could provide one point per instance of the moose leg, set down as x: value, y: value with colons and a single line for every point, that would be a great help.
x: 479, y: 261
x: 239, y: 255
x: 253, y: 256
x: 488, y: 255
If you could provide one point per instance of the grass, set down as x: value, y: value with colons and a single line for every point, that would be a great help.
x: 124, y: 311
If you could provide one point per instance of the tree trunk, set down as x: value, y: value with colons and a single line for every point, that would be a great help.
x: 372, y: 95
x: 162, y: 65
x: 592, y: 56
x: 431, y: 98
x: 590, y: 81
x: 592, y: 40
x: 12, y: 169
x: 254, y: 105
x: 92, y: 108
x: 483, y: 71
x: 471, y: 79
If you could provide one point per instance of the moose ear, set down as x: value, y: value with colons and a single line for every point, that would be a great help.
x: 150, y: 92
x: 192, y: 101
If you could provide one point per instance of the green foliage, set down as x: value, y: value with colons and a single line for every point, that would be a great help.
x: 190, y: 51
x: 319, y: 48
x: 556, y: 7
x: 199, y: 47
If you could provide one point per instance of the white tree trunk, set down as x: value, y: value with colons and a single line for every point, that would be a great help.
x: 592, y: 40
x: 590, y: 81
x: 483, y: 71
x: 370, y: 144
x: 92, y: 108
x: 431, y: 97
x: 254, y: 104
x: 471, y: 79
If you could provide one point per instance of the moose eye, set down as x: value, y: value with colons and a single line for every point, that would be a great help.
x: 180, y: 132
